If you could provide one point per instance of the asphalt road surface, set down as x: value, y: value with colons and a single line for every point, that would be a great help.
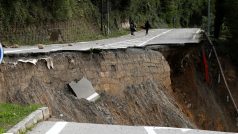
x: 155, y: 37
x: 79, y: 128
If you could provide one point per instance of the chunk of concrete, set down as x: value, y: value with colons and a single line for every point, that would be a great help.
x: 84, y: 89
x: 32, y: 61
x: 33, y: 118
x: 45, y: 112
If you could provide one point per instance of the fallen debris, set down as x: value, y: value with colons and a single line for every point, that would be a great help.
x: 40, y: 46
x: 14, y: 46
x: 32, y: 61
x: 49, y: 62
x: 84, y: 89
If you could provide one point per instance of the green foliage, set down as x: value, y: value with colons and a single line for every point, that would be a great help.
x: 28, y: 11
x: 178, y: 12
x: 160, y: 13
x: 172, y: 12
x: 231, y: 18
x: 10, y: 114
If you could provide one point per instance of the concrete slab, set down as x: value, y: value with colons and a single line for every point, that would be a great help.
x: 84, y: 89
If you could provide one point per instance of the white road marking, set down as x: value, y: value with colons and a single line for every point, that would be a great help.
x: 132, y: 41
x: 142, y: 44
x: 120, y: 42
x: 168, y: 128
x: 13, y: 51
x: 197, y: 32
x: 92, y: 96
x: 57, y: 128
x: 56, y: 49
x: 150, y: 130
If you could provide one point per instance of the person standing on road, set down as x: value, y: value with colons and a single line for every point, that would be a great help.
x: 147, y: 27
x: 132, y: 27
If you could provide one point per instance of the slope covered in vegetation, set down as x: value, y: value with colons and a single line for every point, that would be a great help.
x: 183, y: 12
x: 29, y: 22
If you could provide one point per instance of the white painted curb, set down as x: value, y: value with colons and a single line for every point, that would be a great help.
x: 32, y: 119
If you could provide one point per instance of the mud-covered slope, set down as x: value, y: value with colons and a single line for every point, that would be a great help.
x: 145, y: 104
x: 137, y: 87
x: 206, y: 103
x: 134, y: 84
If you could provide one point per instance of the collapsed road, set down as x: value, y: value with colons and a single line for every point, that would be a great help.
x: 134, y: 79
x: 156, y: 37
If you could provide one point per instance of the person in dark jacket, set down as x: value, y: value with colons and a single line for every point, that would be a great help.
x: 132, y: 27
x: 147, y: 27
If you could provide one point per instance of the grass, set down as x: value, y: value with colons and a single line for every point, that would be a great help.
x: 11, y: 114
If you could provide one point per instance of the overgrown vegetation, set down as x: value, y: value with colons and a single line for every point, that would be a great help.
x: 20, y: 18
x: 11, y: 114
x: 25, y: 14
x: 180, y: 13
x: 226, y: 28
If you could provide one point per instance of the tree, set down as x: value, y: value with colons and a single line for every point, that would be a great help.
x: 219, y: 17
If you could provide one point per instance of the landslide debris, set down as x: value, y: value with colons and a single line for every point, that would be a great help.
x: 134, y: 85
x: 137, y: 87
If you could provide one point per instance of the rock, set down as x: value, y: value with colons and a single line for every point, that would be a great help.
x: 15, y: 46
x: 72, y: 61
x: 40, y: 46
x: 4, y: 45
x: 70, y: 44
x: 189, y: 105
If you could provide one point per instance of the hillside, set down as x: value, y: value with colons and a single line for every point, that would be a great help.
x: 28, y: 22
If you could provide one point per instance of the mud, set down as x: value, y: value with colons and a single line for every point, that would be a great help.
x: 205, y: 103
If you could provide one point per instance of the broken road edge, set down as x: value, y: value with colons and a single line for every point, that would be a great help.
x: 30, y: 121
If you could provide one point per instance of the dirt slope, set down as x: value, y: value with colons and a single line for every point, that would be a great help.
x: 205, y: 103
x: 137, y: 87
x: 134, y: 85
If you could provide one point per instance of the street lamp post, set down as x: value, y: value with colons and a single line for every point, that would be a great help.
x: 209, y: 18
